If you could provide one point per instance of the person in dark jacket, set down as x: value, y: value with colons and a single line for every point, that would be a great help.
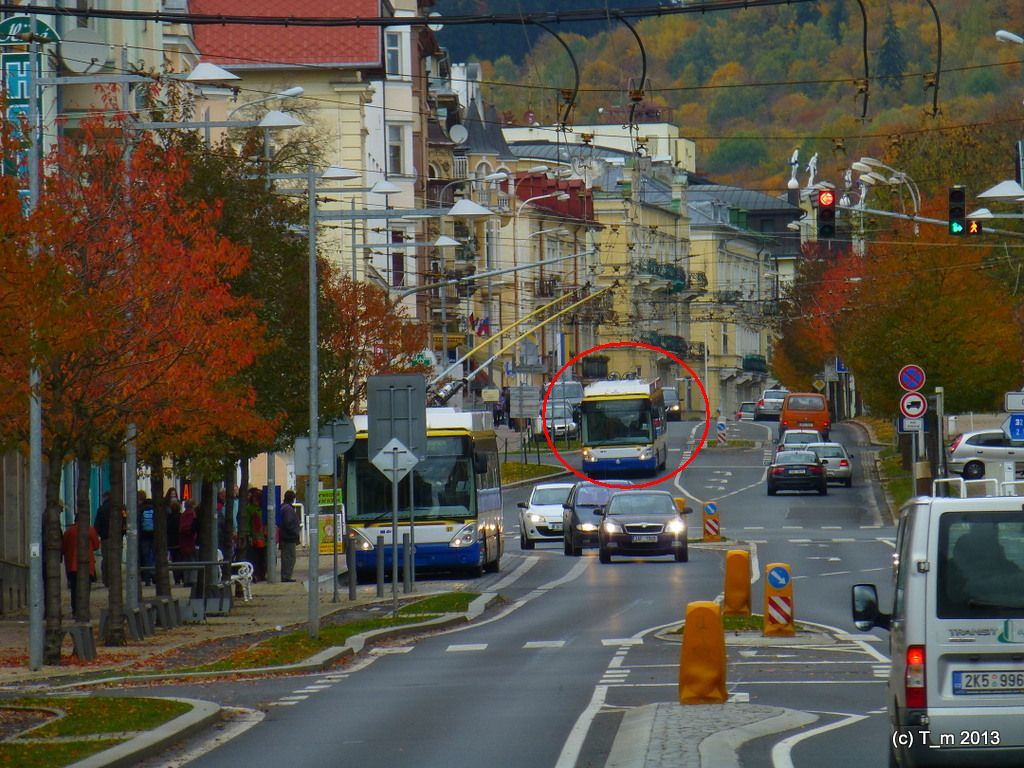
x: 289, y: 534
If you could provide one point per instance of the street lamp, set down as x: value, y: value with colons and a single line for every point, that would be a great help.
x: 287, y: 93
x: 1009, y: 37
x: 490, y: 177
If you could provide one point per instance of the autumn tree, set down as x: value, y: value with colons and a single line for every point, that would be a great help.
x: 126, y: 311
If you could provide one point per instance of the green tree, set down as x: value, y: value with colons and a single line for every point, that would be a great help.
x: 892, y: 59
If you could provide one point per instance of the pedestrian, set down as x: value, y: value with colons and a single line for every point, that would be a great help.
x: 69, y: 551
x: 289, y: 535
x: 147, y: 525
x: 174, y: 538
x: 251, y: 528
x: 188, y: 536
x: 102, y: 526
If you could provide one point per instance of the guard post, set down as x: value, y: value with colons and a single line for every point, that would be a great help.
x: 778, y: 601
x: 737, y: 583
x: 702, y: 657
x: 712, y: 526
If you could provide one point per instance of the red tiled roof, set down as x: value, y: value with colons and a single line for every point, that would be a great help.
x: 242, y: 46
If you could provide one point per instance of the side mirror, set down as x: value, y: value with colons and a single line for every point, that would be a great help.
x: 866, y: 615
x: 681, y: 505
x: 523, y: 505
x: 599, y: 511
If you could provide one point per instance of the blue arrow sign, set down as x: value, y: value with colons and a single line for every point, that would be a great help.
x: 710, y: 508
x: 778, y: 577
x: 1016, y: 426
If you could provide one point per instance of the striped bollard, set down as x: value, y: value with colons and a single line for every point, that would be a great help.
x: 778, y: 601
x: 712, y: 527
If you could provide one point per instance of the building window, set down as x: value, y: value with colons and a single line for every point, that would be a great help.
x: 393, y: 53
x: 398, y: 260
x: 725, y: 339
x: 396, y: 149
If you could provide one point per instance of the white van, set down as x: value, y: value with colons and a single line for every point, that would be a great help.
x: 956, y: 685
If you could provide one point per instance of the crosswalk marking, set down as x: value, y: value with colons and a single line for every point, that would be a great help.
x: 467, y: 647
x: 544, y: 644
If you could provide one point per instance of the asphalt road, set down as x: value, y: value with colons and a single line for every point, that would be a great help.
x: 544, y: 681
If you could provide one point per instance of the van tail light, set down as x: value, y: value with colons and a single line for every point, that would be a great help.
x: 914, y: 678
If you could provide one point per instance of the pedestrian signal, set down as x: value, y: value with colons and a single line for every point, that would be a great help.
x: 957, y: 210
x: 826, y: 214
x: 974, y: 227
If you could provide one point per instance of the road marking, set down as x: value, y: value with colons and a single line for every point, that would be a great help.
x: 526, y: 565
x: 623, y: 641
x: 792, y: 527
x: 544, y: 644
x: 466, y: 647
x: 886, y: 540
x: 881, y: 670
x: 843, y: 541
x: 391, y: 651
x: 836, y: 573
x: 280, y: 703
x: 574, y: 743
x: 753, y: 527
x: 831, y: 527
x: 799, y: 541
x: 782, y: 751
x: 294, y: 697
x: 739, y: 697
x: 313, y: 689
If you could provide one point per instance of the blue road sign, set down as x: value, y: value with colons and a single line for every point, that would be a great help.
x: 778, y: 577
x: 1016, y: 426
x: 710, y: 508
x: 721, y: 426
x: 911, y: 377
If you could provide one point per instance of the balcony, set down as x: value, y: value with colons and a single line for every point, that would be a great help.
x: 676, y: 277
x: 545, y: 288
x: 677, y: 345
x: 754, y: 364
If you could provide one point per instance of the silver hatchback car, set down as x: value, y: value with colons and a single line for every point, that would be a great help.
x: 837, y: 462
x: 970, y: 450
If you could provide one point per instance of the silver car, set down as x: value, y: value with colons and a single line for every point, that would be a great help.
x: 837, y: 462
x: 769, y: 406
x: 970, y: 450
x: 560, y: 422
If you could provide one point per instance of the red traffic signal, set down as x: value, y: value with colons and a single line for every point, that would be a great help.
x: 826, y: 214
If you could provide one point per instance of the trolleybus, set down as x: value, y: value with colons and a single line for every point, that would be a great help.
x: 623, y: 427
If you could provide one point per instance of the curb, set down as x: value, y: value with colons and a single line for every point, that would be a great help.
x: 150, y: 743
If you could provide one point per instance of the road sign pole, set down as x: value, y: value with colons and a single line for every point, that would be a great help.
x: 410, y: 576
x: 394, y: 532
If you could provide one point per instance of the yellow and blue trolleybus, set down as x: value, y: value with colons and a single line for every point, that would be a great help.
x: 456, y: 497
x: 623, y: 427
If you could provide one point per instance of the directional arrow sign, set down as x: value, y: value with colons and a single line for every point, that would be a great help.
x: 394, y: 460
x: 913, y: 405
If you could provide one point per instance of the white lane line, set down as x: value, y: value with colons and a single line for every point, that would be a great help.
x: 843, y: 541
x: 545, y: 644
x: 313, y: 689
x: 836, y: 573
x: 616, y: 661
x: 753, y: 527
x: 466, y: 647
x: 391, y: 651
x: 240, y: 721
x: 526, y: 565
x: 890, y: 542
x: 294, y: 697
x: 739, y: 697
x: 281, y: 703
x: 782, y: 751
x: 799, y: 541
x: 831, y: 527
x: 574, y: 743
x: 812, y: 682
x: 624, y: 641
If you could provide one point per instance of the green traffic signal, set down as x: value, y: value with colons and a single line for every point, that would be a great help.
x: 957, y: 198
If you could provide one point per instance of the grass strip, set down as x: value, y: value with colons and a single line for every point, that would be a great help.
x: 15, y: 755
x: 899, y: 481
x: 102, y: 714
x: 516, y: 471
x: 752, y: 623
x: 448, y: 602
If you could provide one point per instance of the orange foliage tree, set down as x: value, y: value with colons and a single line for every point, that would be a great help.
x: 120, y: 297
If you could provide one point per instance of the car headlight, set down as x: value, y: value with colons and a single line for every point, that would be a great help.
x: 588, y: 455
x: 466, y: 537
x: 533, y: 517
x: 676, y: 527
x: 610, y: 526
x: 587, y: 527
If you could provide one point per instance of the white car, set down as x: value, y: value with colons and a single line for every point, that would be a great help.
x: 540, y: 518
x: 798, y: 439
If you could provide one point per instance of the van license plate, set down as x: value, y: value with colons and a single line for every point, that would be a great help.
x: 646, y: 538
x: 997, y: 681
x: 806, y: 423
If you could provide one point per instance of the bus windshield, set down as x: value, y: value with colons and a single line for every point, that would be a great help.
x: 442, y: 485
x: 617, y: 422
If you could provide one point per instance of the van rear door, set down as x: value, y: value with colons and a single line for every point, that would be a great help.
x: 975, y: 638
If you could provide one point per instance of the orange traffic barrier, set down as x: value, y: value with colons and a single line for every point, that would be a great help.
x: 737, y: 583
x: 702, y: 658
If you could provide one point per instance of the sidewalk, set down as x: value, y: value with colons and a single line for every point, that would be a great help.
x: 273, y: 607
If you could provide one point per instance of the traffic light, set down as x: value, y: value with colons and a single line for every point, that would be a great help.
x: 974, y: 227
x: 826, y: 214
x: 957, y: 210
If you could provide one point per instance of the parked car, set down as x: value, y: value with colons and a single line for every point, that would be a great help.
x: 540, y: 518
x: 805, y: 410
x: 568, y: 392
x: 955, y: 685
x: 560, y: 421
x: 970, y: 450
x: 770, y: 404
x: 796, y: 439
x: 673, y: 408
x: 643, y: 523
x: 796, y: 471
x: 746, y: 411
x: 837, y: 462
x: 581, y: 513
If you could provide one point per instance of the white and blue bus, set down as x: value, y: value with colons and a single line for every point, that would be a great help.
x: 623, y: 428
x: 456, y: 496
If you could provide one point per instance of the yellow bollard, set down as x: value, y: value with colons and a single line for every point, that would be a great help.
x: 712, y: 526
x: 702, y: 658
x: 778, y: 601
x: 737, y: 583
